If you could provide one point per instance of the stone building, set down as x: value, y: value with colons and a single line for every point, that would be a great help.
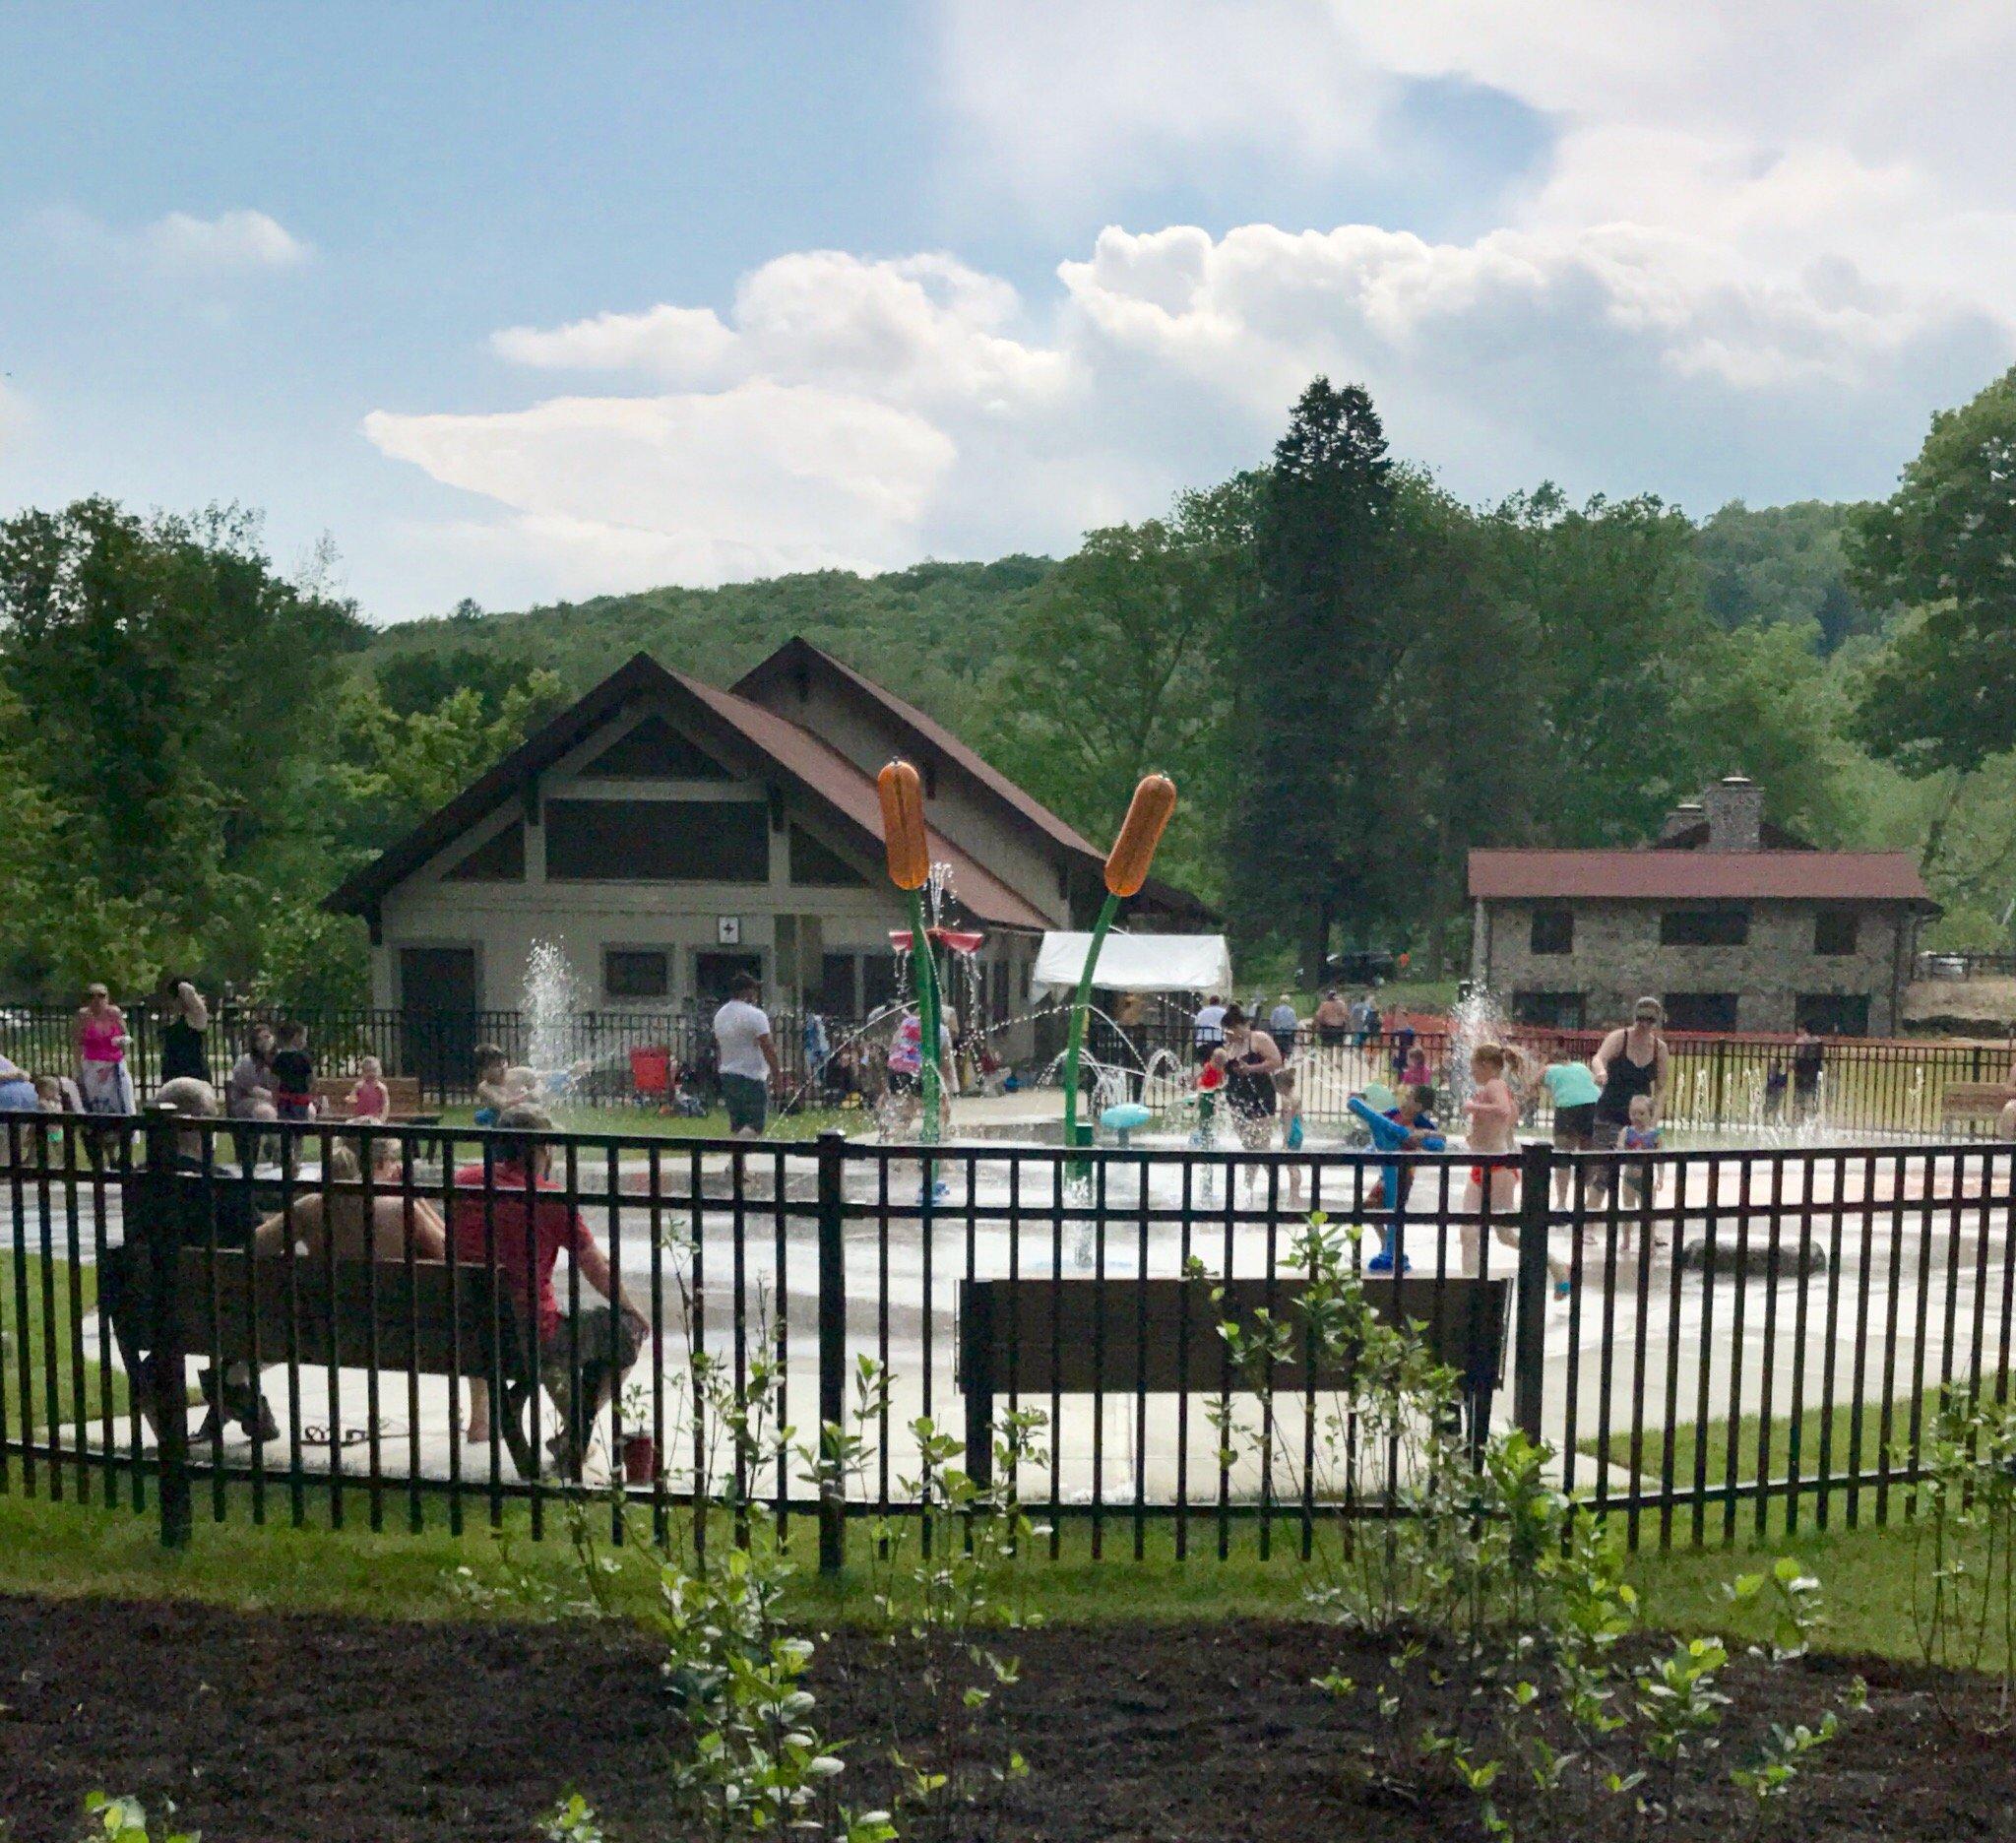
x: 1735, y: 924
x: 671, y: 834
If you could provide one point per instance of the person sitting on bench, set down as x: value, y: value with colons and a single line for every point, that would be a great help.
x: 316, y: 1221
x: 210, y: 1208
x: 582, y: 1359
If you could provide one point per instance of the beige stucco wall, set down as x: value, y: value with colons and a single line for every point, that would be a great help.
x: 1618, y: 955
x: 959, y: 807
x: 500, y: 921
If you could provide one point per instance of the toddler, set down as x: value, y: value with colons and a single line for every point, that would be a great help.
x: 369, y: 1100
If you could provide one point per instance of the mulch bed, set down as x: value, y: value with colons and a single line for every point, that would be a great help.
x: 272, y: 1728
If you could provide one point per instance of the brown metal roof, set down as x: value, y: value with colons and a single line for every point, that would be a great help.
x: 1682, y: 876
x: 798, y: 654
x: 755, y: 741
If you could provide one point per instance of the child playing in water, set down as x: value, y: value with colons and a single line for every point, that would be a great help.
x: 493, y: 1092
x: 1642, y: 1179
x: 1494, y: 1113
x: 369, y: 1099
x: 1416, y: 1073
x: 1412, y: 1110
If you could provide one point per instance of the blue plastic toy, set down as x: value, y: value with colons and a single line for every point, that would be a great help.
x: 1388, y: 1136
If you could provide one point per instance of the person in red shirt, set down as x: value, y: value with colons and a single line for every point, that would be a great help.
x: 584, y: 1356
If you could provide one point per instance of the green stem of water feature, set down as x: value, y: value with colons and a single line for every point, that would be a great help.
x: 929, y: 1074
x: 1075, y: 1043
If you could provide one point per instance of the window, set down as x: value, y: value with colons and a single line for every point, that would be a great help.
x: 1701, y: 1011
x: 661, y: 841
x: 1835, y: 931
x: 837, y: 986
x: 1833, y: 1014
x: 1549, y: 1010
x: 498, y: 860
x: 1704, y: 927
x: 878, y: 982
x: 818, y: 867
x: 655, y: 751
x: 1553, y: 931
x: 637, y: 973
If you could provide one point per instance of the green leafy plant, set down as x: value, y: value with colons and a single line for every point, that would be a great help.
x: 124, y: 1820
x: 1964, y: 1547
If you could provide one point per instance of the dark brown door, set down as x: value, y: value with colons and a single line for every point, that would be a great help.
x: 437, y: 988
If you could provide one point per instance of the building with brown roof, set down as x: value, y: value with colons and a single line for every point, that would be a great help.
x: 1733, y: 923
x: 671, y: 834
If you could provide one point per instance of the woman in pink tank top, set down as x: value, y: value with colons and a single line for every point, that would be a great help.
x: 102, y: 1077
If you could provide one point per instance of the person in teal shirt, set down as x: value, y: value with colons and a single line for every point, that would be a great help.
x: 1575, y: 1091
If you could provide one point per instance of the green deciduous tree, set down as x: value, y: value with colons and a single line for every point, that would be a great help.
x: 1943, y: 694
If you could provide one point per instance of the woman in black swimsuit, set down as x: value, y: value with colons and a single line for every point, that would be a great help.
x: 1251, y: 1057
x: 1630, y: 1062
x: 185, y: 1023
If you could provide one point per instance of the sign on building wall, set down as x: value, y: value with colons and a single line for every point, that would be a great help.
x: 727, y: 931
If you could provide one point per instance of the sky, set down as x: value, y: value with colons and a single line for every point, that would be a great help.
x: 524, y: 303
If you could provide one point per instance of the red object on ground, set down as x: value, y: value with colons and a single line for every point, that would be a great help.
x: 651, y: 1072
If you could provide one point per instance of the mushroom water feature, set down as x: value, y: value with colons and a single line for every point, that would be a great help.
x: 1147, y: 817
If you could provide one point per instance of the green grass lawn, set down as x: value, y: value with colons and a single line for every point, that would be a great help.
x: 33, y: 1293
x: 72, y: 1549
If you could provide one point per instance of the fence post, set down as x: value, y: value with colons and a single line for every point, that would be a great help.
x: 832, y: 1350
x: 1720, y: 1113
x: 1530, y: 1327
x: 167, y: 1381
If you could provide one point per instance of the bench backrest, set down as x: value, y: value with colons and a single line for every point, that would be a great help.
x: 334, y: 1093
x: 382, y: 1314
x: 1079, y: 1337
x: 1967, y: 1099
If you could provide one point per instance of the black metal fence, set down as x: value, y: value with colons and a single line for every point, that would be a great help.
x: 1708, y: 1339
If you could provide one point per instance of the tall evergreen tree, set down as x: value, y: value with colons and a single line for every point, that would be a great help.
x: 1305, y: 835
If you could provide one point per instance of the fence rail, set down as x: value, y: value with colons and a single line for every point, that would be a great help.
x: 1708, y: 1339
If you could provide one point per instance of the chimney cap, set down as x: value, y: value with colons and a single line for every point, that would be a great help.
x: 1689, y: 805
x: 1738, y: 779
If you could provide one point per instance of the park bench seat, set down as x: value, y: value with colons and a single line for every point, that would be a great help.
x: 333, y: 1097
x: 1086, y: 1337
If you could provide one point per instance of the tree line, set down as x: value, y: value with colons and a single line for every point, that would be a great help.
x: 1354, y: 677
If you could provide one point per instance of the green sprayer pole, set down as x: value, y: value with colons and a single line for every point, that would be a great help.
x: 927, y: 1021
x: 1079, y: 1006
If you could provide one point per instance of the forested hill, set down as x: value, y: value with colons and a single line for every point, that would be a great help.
x: 936, y: 630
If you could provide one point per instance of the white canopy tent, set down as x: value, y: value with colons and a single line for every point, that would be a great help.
x: 1138, y: 963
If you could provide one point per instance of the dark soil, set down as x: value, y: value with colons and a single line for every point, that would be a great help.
x: 285, y: 1730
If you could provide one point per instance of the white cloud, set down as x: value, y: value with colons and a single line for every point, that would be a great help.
x: 179, y: 246
x: 857, y: 414
x: 231, y: 242
x: 753, y: 480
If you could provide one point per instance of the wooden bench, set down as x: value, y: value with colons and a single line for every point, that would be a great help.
x: 333, y: 1098
x: 1094, y: 1337
x: 1974, y: 1101
x: 233, y: 1306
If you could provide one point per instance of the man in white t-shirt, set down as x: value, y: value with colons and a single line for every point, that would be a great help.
x: 1207, y: 1030
x: 747, y: 1057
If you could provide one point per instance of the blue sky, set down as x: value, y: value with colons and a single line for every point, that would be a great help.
x: 524, y: 302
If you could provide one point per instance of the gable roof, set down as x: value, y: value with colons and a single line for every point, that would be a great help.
x: 745, y: 734
x: 799, y: 654
x: 1680, y: 876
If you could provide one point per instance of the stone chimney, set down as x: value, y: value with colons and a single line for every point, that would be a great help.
x: 1682, y: 819
x: 1736, y: 814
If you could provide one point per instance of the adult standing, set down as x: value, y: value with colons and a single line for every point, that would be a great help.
x: 1808, y: 1065
x: 1332, y: 1020
x: 185, y: 1027
x: 1630, y: 1061
x: 102, y: 1077
x: 1251, y: 1060
x: 1283, y: 1024
x: 1207, y: 1027
x: 248, y: 1094
x: 746, y: 1055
